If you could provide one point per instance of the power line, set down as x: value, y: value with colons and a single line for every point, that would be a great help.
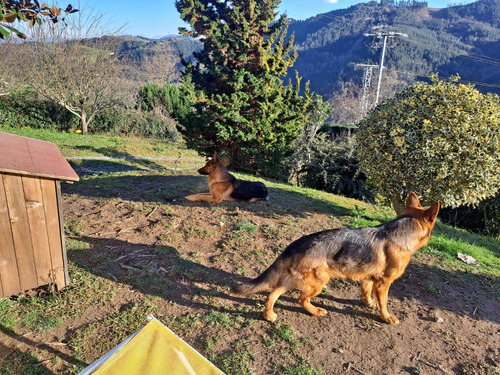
x: 318, y: 12
x: 317, y: 21
x: 473, y: 56
x: 484, y: 84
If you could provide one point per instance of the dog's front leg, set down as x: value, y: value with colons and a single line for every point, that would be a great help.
x: 381, y: 293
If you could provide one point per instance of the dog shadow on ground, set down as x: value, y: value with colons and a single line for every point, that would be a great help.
x: 455, y: 291
x: 159, y: 188
x: 164, y: 272
x: 10, y: 351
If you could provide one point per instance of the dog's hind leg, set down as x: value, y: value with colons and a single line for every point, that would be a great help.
x: 269, y: 314
x: 366, y: 292
x: 312, y: 285
x: 207, y: 197
x: 284, y: 285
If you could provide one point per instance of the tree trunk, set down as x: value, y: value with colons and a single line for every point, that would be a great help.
x: 84, y: 123
x: 398, y: 205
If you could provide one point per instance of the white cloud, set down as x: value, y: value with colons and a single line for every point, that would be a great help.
x: 331, y: 1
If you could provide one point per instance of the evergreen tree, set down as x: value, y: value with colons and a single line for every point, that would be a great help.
x: 168, y: 98
x: 242, y: 108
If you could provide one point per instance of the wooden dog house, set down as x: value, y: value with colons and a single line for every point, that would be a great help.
x: 32, y: 248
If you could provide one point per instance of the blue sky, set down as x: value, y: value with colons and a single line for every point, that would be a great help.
x: 159, y: 18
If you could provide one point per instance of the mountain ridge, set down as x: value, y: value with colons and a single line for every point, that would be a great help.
x: 461, y: 39
x: 438, y: 40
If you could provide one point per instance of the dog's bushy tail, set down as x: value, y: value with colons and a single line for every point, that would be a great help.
x: 269, y: 278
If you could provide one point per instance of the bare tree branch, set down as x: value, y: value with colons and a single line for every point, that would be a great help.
x: 74, y: 65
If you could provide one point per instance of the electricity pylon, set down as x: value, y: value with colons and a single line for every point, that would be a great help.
x: 367, y: 82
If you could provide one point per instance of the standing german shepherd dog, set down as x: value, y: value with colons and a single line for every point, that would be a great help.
x: 224, y: 186
x: 375, y: 256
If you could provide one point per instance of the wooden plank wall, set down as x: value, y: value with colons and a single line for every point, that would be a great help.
x: 31, y: 254
x: 55, y: 229
x: 9, y: 277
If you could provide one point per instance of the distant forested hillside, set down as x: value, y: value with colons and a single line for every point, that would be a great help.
x: 139, y: 53
x: 461, y: 39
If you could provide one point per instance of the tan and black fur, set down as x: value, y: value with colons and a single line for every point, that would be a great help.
x: 375, y: 256
x: 224, y: 186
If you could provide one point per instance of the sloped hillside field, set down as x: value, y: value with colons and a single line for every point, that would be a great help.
x: 136, y: 247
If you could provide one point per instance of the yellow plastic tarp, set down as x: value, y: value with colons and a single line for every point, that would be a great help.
x: 157, y: 350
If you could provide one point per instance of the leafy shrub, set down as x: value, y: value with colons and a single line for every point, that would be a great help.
x: 326, y: 161
x: 128, y: 122
x: 40, y: 114
x: 23, y: 110
x: 484, y: 219
x: 440, y: 140
x: 332, y: 166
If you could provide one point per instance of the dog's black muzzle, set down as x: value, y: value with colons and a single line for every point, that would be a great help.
x: 203, y: 171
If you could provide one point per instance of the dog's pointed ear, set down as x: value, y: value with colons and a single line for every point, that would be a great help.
x: 432, y: 212
x: 216, y: 157
x: 412, y: 201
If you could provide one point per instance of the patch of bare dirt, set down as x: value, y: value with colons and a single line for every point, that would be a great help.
x: 142, y: 234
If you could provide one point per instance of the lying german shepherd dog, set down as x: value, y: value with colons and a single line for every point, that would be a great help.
x: 224, y: 186
x: 375, y: 256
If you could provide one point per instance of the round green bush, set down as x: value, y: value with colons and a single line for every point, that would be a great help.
x: 439, y: 139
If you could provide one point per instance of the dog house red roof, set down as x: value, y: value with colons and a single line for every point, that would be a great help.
x: 27, y: 156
